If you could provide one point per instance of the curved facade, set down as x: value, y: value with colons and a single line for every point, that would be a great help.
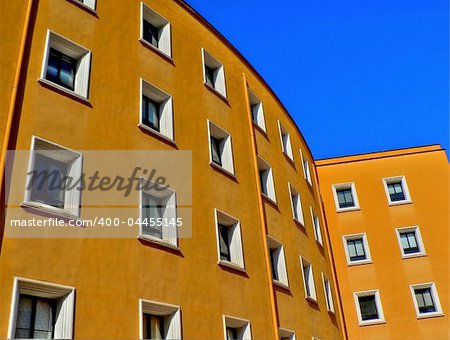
x: 155, y: 76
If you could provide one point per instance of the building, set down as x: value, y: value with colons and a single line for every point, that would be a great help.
x: 388, y: 223
x: 79, y: 76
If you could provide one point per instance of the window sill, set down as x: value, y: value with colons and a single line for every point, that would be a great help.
x: 231, y: 265
x: 84, y: 7
x: 269, y: 200
x: 289, y: 159
x: 311, y: 299
x: 281, y: 284
x: 159, y: 242
x: 331, y: 312
x: 391, y: 204
x: 430, y: 315
x: 371, y: 322
x: 299, y: 223
x: 359, y: 263
x: 157, y: 51
x: 223, y: 170
x: 260, y: 129
x: 157, y: 134
x: 411, y: 256
x: 320, y: 244
x: 217, y: 93
x: 50, y: 210
x: 59, y: 88
x: 340, y: 210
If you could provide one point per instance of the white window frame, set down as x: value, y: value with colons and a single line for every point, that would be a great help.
x: 73, y: 50
x: 416, y: 230
x: 172, y: 329
x: 169, y: 232
x: 296, y: 205
x: 164, y: 30
x: 64, y: 295
x: 306, y: 169
x: 88, y: 4
x: 220, y: 85
x: 316, y: 226
x: 285, y: 139
x: 226, y: 148
x: 234, y: 237
x: 243, y: 326
x: 165, y: 101
x: 352, y: 187
x: 312, y: 285
x: 280, y: 264
x: 268, y: 176
x: 435, y: 296
x: 376, y: 293
x: 363, y: 236
x: 285, y: 333
x: 328, y: 292
x: 395, y: 179
x: 74, y: 159
x: 257, y: 111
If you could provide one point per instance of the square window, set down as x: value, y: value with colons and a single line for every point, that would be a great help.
x: 328, y: 293
x: 213, y: 73
x: 236, y: 329
x: 221, y: 151
x: 286, y: 142
x: 41, y: 310
x: 229, y: 240
x: 286, y: 334
x: 357, y: 249
x: 155, y: 31
x: 410, y: 242
x: 345, y: 197
x: 266, y: 179
x: 306, y: 169
x: 257, y: 110
x: 368, y: 307
x: 156, y: 113
x: 316, y: 226
x: 308, y: 279
x: 297, y: 211
x: 54, y: 174
x: 278, y: 262
x: 66, y: 66
x: 426, y: 300
x: 159, y: 320
x: 396, y: 190
x: 158, y: 204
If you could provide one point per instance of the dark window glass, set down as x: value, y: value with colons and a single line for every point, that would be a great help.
x: 151, y: 33
x: 210, y: 75
x: 152, y: 209
x: 425, y: 300
x: 409, y: 242
x: 345, y: 198
x: 215, y: 150
x: 307, y: 273
x: 254, y: 110
x: 35, y: 318
x: 224, y: 243
x: 153, y: 326
x: 273, y: 262
x: 61, y: 69
x: 368, y: 307
x: 263, y: 179
x: 396, y: 191
x: 150, y: 113
x: 231, y: 333
x: 356, y: 250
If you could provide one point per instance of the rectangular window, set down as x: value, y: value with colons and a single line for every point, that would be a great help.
x: 257, y: 110
x: 156, y: 111
x: 410, y: 241
x: 66, y: 65
x: 236, y: 328
x: 35, y: 318
x: 328, y: 294
x: 396, y: 190
x: 306, y: 169
x: 278, y: 262
x: 345, y: 197
x: 316, y: 226
x: 357, y: 249
x: 159, y: 320
x: 213, y: 73
x: 229, y: 240
x: 155, y: 31
x: 266, y: 179
x: 286, y: 142
x: 296, y: 203
x: 286, y: 334
x: 426, y: 300
x: 368, y: 307
x: 308, y: 279
x: 221, y: 151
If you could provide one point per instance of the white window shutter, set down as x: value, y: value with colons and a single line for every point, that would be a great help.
x: 164, y: 41
x: 82, y: 75
x: 270, y: 185
x: 72, y: 197
x: 236, y: 245
x: 288, y: 147
x: 166, y: 121
x: 260, y: 116
x: 281, y: 266
x: 64, y: 317
x: 173, y: 330
x: 220, y: 81
x: 246, y: 333
x: 170, y: 217
x: 90, y: 3
x: 299, y: 209
x: 227, y: 156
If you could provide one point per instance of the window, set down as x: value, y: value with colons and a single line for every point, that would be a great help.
x: 229, y: 239
x: 54, y: 174
x: 257, y: 110
x: 410, y: 241
x: 328, y: 294
x: 41, y: 310
x: 368, y: 307
x: 286, y: 142
x: 278, y: 262
x: 308, y: 280
x: 396, y: 190
x: 88, y: 3
x: 156, y: 111
x: 426, y: 300
x: 286, y: 334
x: 158, y: 205
x: 296, y: 203
x: 266, y: 178
x: 155, y: 31
x: 213, y: 73
x: 306, y: 169
x: 236, y: 329
x: 221, y: 151
x: 357, y: 249
x: 159, y: 320
x: 66, y: 66
x: 316, y: 226
x: 345, y: 197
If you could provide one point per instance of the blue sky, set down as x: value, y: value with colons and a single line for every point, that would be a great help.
x: 357, y: 76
